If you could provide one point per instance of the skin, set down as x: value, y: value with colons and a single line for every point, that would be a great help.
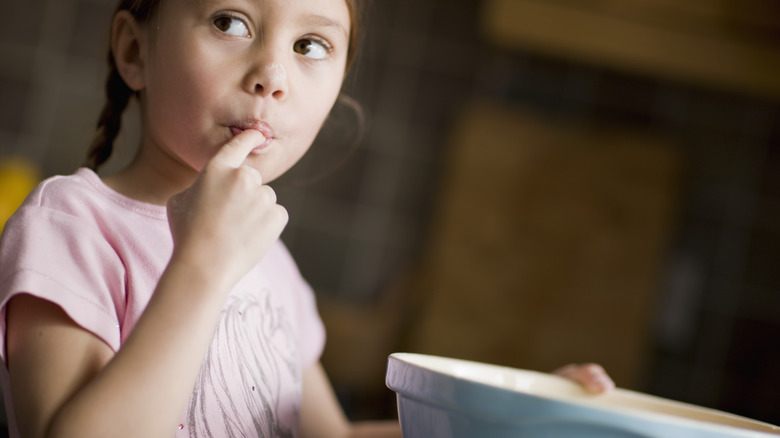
x: 200, y: 76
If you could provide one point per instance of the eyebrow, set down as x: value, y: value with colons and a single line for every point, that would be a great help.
x: 323, y: 21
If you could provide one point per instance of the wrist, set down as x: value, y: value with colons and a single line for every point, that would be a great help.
x: 196, y: 275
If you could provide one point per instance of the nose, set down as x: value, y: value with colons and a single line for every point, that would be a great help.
x: 268, y: 79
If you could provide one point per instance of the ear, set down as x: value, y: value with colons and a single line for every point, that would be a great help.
x: 128, y: 41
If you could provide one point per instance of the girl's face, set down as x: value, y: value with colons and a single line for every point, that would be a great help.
x: 216, y: 67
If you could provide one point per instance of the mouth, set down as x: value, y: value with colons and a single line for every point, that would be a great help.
x: 262, y: 127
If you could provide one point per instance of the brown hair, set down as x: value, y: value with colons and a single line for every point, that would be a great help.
x: 118, y: 94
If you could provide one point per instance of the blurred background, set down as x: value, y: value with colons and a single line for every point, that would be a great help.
x: 538, y: 182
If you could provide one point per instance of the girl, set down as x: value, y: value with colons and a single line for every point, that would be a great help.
x: 158, y: 301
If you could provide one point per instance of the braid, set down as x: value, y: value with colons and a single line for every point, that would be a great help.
x: 118, y: 95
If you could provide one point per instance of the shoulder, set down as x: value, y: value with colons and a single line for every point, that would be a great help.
x: 61, y: 212
x: 74, y: 194
x: 84, y: 196
x: 66, y: 195
x: 63, y: 215
x: 51, y: 188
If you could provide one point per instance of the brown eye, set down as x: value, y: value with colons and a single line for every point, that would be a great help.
x: 231, y: 26
x: 312, y: 48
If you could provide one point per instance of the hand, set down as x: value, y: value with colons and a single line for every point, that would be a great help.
x: 591, y: 376
x: 228, y: 218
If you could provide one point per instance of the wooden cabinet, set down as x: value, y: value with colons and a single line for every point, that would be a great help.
x: 727, y: 44
x: 546, y: 244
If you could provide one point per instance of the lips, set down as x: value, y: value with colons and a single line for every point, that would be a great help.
x: 264, y: 128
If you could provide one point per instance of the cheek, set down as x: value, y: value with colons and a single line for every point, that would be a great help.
x: 195, y: 89
x: 186, y: 81
x: 319, y: 102
x: 316, y: 115
x: 180, y: 98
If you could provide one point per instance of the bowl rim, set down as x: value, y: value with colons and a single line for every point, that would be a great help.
x: 747, y: 427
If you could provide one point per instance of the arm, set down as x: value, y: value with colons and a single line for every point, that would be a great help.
x: 66, y: 382
x: 40, y: 334
x: 322, y: 416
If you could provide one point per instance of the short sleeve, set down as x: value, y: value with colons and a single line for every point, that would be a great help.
x: 62, y: 259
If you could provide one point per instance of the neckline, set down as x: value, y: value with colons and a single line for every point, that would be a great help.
x: 145, y: 208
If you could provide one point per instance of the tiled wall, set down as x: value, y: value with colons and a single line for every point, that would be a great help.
x: 355, y: 228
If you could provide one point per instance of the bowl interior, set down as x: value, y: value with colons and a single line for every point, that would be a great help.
x: 557, y: 388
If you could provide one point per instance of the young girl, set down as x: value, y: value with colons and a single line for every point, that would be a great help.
x: 158, y: 301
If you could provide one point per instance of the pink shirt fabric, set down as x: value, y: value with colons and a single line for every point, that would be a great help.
x: 98, y: 255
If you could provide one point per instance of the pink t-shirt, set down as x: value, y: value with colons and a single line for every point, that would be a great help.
x: 98, y: 255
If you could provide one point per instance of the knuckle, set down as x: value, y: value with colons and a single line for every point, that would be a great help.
x: 593, y: 368
x: 270, y: 194
x: 283, y: 214
x: 266, y: 195
x: 276, y: 217
x: 245, y: 172
x: 247, y: 177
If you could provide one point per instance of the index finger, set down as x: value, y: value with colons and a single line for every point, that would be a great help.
x: 234, y: 152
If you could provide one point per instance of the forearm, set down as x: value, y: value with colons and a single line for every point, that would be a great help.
x: 323, y: 417
x: 142, y: 391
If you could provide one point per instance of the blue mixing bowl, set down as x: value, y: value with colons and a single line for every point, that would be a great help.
x: 444, y: 397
